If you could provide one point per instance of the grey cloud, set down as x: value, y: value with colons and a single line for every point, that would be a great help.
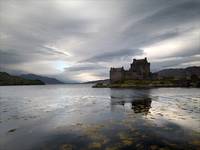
x: 84, y: 67
x: 14, y: 57
x: 164, y: 36
x: 163, y: 64
x: 94, y: 69
x: 10, y: 58
x: 166, y: 19
x: 39, y: 25
x: 173, y: 15
x: 193, y: 50
x: 53, y: 51
x: 114, y: 55
x: 98, y: 39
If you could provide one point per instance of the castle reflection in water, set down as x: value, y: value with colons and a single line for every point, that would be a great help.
x: 127, y: 99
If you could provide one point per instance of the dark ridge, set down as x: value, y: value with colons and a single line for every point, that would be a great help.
x: 180, y: 72
x: 7, y: 79
x: 46, y: 80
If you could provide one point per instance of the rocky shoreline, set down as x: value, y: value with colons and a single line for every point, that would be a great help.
x: 149, y: 84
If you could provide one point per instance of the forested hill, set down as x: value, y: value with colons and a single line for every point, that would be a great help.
x: 7, y: 79
x: 180, y: 72
x: 46, y: 80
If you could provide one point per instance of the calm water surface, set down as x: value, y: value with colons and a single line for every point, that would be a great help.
x: 67, y: 117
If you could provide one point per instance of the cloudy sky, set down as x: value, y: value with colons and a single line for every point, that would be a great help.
x: 79, y: 40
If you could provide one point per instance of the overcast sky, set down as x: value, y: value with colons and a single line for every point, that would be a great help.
x: 79, y: 40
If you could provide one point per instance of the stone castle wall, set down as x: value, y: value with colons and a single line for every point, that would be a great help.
x: 139, y: 69
x: 117, y: 74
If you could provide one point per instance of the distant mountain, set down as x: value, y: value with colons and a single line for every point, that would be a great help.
x: 7, y: 79
x: 46, y: 80
x: 180, y: 72
x: 98, y: 81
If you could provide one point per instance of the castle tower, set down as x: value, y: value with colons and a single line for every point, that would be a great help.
x: 141, y: 67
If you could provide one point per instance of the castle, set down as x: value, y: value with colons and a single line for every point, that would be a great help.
x: 139, y: 69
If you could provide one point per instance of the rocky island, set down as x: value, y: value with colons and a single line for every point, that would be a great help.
x: 140, y: 76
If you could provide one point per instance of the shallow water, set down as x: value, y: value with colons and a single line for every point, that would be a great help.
x: 69, y: 117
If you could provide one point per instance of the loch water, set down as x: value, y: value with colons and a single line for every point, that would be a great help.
x: 77, y: 116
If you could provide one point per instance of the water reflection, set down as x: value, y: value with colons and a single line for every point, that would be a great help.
x: 141, y: 105
x: 139, y: 102
x: 79, y: 117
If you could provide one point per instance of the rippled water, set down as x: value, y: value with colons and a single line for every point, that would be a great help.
x: 69, y: 117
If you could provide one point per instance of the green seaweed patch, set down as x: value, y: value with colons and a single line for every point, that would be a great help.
x: 196, y: 142
x: 126, y: 140
x: 95, y: 145
x: 93, y: 132
x: 114, y: 147
x: 66, y: 147
x: 153, y: 147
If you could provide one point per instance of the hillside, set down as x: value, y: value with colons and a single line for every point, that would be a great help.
x: 106, y: 81
x: 180, y: 72
x: 44, y: 79
x: 6, y: 79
